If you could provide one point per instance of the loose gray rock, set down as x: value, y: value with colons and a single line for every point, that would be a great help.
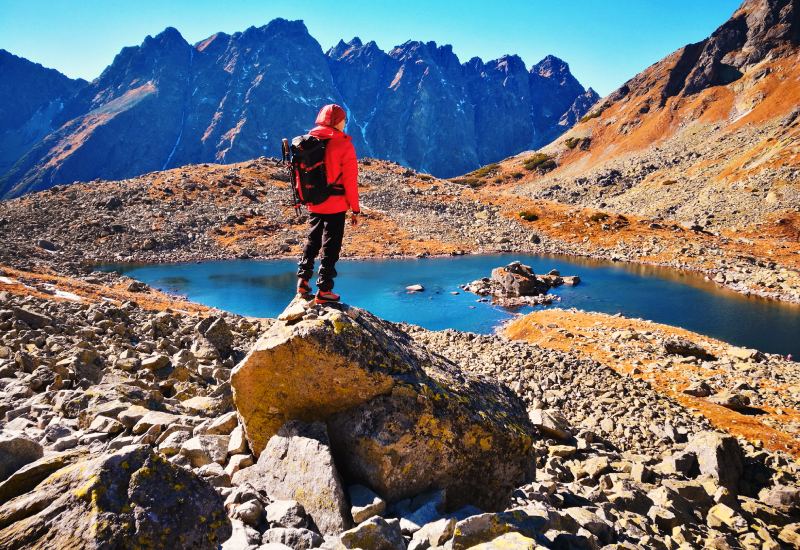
x: 375, y: 533
x: 297, y: 539
x: 15, y: 452
x: 297, y: 464
x: 364, y: 503
x: 718, y: 456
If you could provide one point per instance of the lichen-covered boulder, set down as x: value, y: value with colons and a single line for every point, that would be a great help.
x: 132, y: 498
x: 401, y: 420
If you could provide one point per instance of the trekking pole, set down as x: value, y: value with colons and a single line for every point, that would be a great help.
x: 286, y: 159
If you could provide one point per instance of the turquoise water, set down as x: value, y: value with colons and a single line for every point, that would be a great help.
x: 263, y: 288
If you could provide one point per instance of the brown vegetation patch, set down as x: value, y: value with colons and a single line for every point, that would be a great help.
x: 577, y: 331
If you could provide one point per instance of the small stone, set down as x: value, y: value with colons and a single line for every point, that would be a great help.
x: 364, y: 503
x: 287, y: 513
x: 433, y: 534
x: 509, y: 541
x: 155, y: 362
x: 683, y: 463
x: 699, y: 389
x: 204, y: 449
x: 731, y: 400
x: 222, y: 425
x: 171, y: 445
x: 291, y: 537
x: 132, y: 415
x: 294, y: 311
x: 561, y: 451
x: 215, y: 475
x: 106, y: 425
x: 237, y: 443
x: 237, y: 462
x: 154, y: 418
x: 376, y: 534
x: 596, y: 466
x: 718, y: 456
x: 31, y: 318
x: 790, y: 534
x: 722, y: 515
x: 249, y: 513
x: 46, y: 245
x: 550, y: 423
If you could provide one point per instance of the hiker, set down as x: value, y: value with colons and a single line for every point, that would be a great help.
x: 328, y: 217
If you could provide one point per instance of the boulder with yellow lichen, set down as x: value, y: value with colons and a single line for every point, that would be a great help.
x: 132, y: 498
x: 401, y: 420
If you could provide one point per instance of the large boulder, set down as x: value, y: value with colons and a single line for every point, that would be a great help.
x: 401, y: 420
x: 130, y: 498
x: 297, y: 464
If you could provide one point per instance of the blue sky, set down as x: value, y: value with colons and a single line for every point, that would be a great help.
x: 604, y: 41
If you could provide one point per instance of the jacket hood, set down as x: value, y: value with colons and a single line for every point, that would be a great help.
x: 330, y: 115
x: 327, y: 132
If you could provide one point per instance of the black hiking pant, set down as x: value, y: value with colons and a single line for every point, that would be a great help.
x: 327, y: 231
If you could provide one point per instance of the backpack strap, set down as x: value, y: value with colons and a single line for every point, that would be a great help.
x: 335, y: 187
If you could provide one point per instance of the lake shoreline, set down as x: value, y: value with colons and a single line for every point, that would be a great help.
x: 259, y: 287
x: 687, y: 269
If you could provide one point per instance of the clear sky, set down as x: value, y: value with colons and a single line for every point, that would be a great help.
x: 605, y: 42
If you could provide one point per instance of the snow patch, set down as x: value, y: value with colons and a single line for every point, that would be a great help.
x: 68, y: 295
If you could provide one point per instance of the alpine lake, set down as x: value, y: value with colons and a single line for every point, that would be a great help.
x: 262, y: 288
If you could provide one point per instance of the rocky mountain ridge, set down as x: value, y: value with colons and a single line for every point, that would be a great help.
x: 231, y: 98
x: 31, y: 97
x: 706, y: 136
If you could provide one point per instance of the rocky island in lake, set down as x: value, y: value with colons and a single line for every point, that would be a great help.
x: 517, y: 285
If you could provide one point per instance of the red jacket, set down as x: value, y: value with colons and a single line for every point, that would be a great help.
x: 340, y: 159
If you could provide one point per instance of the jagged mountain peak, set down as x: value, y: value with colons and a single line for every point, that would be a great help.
x: 429, y: 52
x: 281, y: 25
x: 169, y: 37
x: 550, y: 66
x: 338, y: 50
x: 276, y: 29
x: 508, y: 63
x: 354, y: 47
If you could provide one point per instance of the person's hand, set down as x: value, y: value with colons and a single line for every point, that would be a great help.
x: 354, y: 218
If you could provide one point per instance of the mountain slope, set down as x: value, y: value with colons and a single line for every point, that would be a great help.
x: 30, y: 97
x: 709, y: 135
x: 230, y: 98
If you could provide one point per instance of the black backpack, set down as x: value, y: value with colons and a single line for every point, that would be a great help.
x: 310, y: 178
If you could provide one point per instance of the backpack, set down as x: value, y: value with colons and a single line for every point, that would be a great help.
x: 309, y: 176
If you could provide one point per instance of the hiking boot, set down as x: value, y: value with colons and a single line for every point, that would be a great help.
x: 303, y: 288
x: 324, y: 297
